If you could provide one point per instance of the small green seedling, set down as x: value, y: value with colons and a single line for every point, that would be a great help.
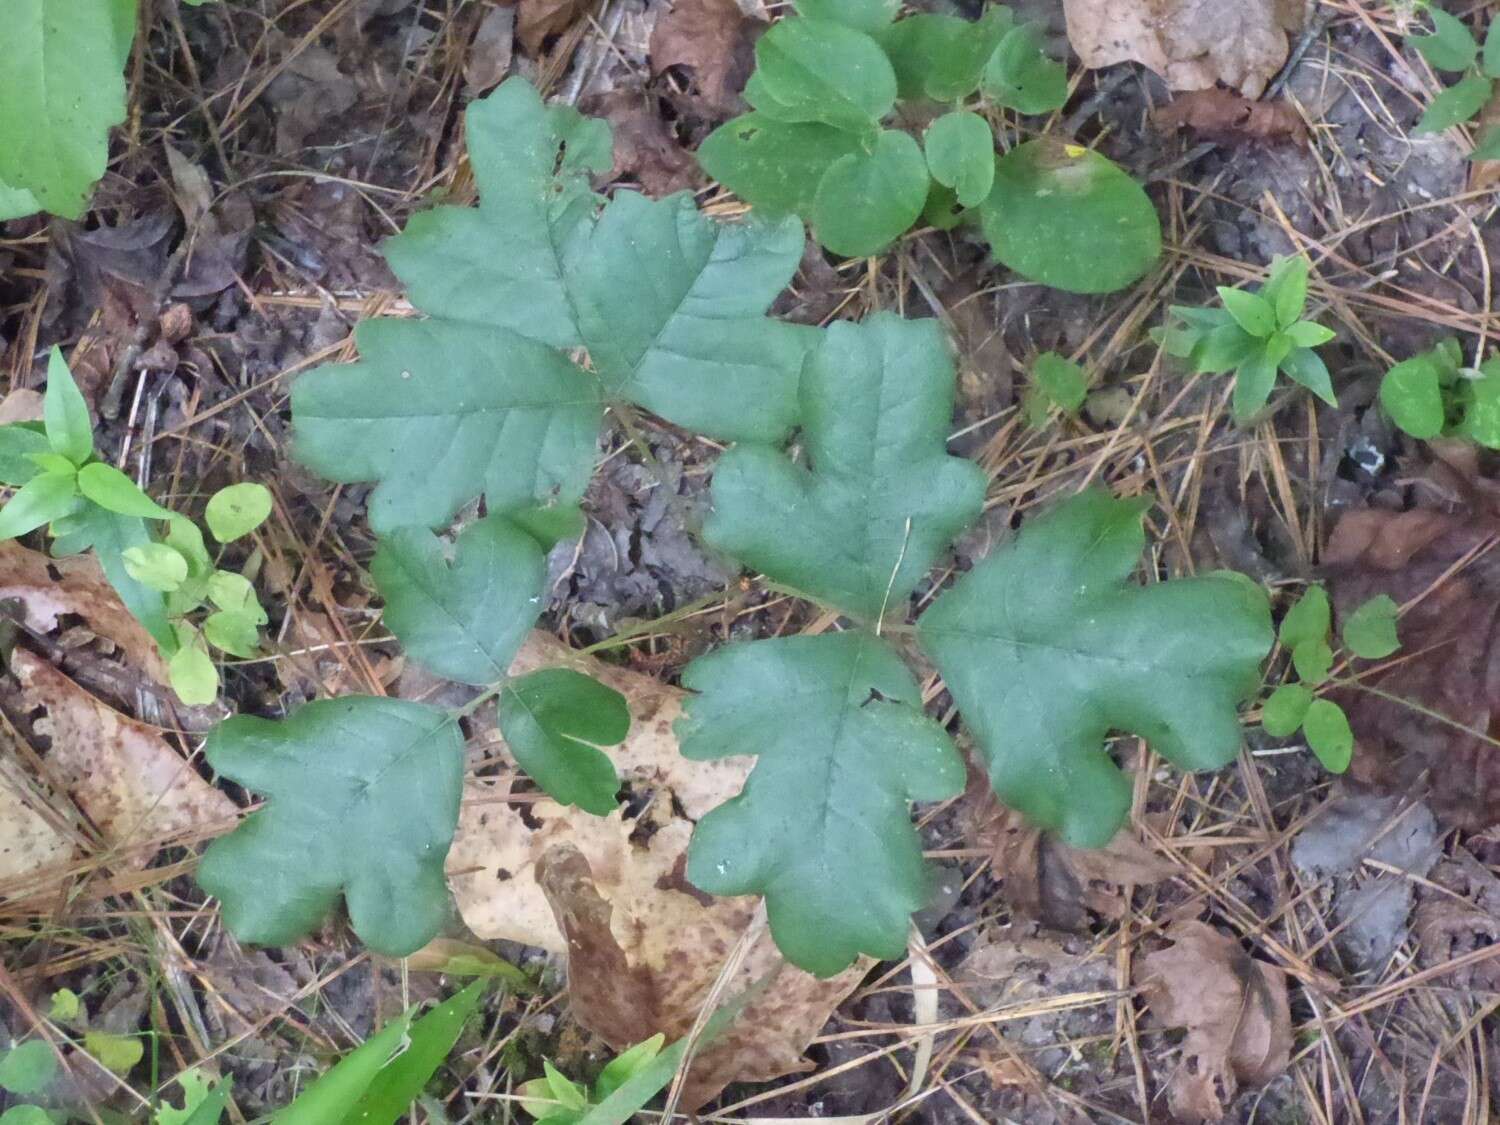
x: 1433, y: 395
x: 1255, y: 335
x: 27, y: 1069
x: 1055, y: 382
x: 154, y: 558
x: 1369, y: 633
x: 824, y: 141
x: 554, y: 1099
x: 1452, y: 48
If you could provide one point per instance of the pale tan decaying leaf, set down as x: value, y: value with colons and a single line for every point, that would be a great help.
x: 28, y: 843
x: 79, y: 588
x: 647, y: 946
x: 714, y: 39
x: 122, y: 774
x: 1191, y: 43
x: 1235, y: 1012
x: 21, y: 405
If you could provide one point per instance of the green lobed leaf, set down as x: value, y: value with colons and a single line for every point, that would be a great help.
x: 491, y: 413
x: 961, y: 155
x: 237, y: 510
x: 1069, y: 218
x: 1046, y: 646
x: 772, y: 165
x: 1283, y: 712
x: 554, y: 720
x: 28, y: 1067
x: 1455, y: 105
x: 500, y: 264
x: 1021, y: 76
x: 1370, y: 631
x: 669, y: 305
x: 1326, y: 728
x: 940, y: 57
x: 1451, y: 46
x: 866, y: 200
x: 818, y: 70
x: 361, y: 800
x: 61, y: 88
x: 463, y: 620
x: 69, y: 431
x: 821, y: 827
x: 882, y: 497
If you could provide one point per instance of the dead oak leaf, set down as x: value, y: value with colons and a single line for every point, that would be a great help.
x: 714, y: 39
x: 644, y: 946
x: 1191, y: 43
x: 122, y: 774
x: 1233, y: 1008
x: 50, y: 588
x: 1224, y: 115
x: 645, y: 149
x: 28, y: 843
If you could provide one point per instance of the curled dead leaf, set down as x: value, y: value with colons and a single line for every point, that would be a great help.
x: 50, y: 588
x: 1191, y: 43
x: 712, y: 38
x: 122, y: 774
x: 1235, y: 1012
x: 1226, y: 116
x: 644, y: 945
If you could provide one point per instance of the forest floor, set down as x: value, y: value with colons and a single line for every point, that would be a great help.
x: 273, y: 144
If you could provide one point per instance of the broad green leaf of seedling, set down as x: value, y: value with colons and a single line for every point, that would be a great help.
x: 1282, y: 714
x: 361, y: 800
x: 1326, y: 728
x: 1370, y: 631
x: 868, y: 198
x: 1019, y: 74
x: 1046, y: 646
x: 115, y: 492
x: 69, y: 431
x: 237, y: 510
x: 1450, y: 46
x: 942, y: 58
x: 156, y: 565
x: 1055, y: 382
x: 860, y: 525
x: 1455, y: 105
x: 118, y: 1054
x: 961, y: 155
x: 1413, y: 391
x: 191, y: 669
x: 819, y: 70
x: 835, y: 722
x: 28, y: 1068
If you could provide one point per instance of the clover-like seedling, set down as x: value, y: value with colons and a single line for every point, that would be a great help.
x: 824, y: 142
x: 1452, y: 48
x: 1255, y: 335
x: 1433, y: 395
x: 154, y: 558
x: 1369, y: 633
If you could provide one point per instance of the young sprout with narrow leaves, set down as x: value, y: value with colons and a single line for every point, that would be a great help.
x: 1255, y: 335
x: 1452, y: 48
x: 1368, y: 633
x: 555, y: 1099
x: 154, y: 558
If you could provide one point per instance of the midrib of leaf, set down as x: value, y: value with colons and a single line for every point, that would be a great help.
x: 396, y: 759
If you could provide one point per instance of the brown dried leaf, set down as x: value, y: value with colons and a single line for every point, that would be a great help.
x: 537, y: 20
x: 133, y: 786
x: 27, y: 842
x: 715, y: 40
x: 489, y: 57
x: 1485, y: 174
x: 1226, y: 116
x: 1446, y: 663
x: 21, y: 405
x: 1191, y: 43
x: 79, y: 588
x: 1052, y: 882
x: 644, y: 945
x: 1235, y: 1012
x: 645, y: 148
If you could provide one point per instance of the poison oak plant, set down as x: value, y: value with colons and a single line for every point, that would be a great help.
x: 166, y: 577
x: 1452, y: 48
x: 831, y: 91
